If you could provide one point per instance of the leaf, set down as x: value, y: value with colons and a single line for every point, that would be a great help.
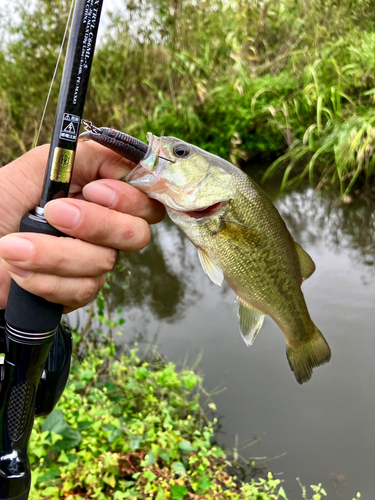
x: 55, y: 422
x: 110, y: 479
x: 63, y: 457
x: 179, y: 468
x: 282, y: 493
x: 150, y: 458
x: 150, y: 476
x: 71, y: 437
x: 178, y: 492
x: 135, y: 441
x: 185, y: 447
x: 203, y: 484
x: 84, y: 425
x: 116, y: 434
x: 87, y: 375
x: 164, y: 455
x: 161, y: 494
x: 48, y: 476
x: 141, y: 373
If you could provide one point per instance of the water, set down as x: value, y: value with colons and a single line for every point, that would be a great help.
x: 322, y: 431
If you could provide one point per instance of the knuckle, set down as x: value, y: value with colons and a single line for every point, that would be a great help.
x: 87, y: 291
x: 112, y: 256
x: 48, y: 287
x: 106, y: 262
x: 60, y: 259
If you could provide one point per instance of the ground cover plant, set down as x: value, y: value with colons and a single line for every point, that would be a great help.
x: 130, y: 428
x: 285, y: 80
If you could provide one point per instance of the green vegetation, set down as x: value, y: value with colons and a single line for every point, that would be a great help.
x: 131, y: 428
x: 287, y: 79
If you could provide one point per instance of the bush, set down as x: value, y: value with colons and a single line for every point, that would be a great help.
x: 129, y: 428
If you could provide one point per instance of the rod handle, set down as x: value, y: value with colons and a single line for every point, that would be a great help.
x: 27, y: 312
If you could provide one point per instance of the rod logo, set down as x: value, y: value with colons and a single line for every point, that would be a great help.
x: 62, y: 165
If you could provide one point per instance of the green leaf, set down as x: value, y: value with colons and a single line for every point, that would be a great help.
x: 150, y: 476
x: 55, y: 422
x: 71, y: 438
x: 63, y: 457
x: 84, y: 425
x: 87, y: 375
x: 179, y: 468
x: 161, y: 494
x: 178, y: 492
x: 282, y: 493
x: 150, y: 458
x: 185, y: 447
x: 141, y: 373
x: 164, y: 455
x: 135, y: 441
x: 203, y: 484
x: 48, y: 476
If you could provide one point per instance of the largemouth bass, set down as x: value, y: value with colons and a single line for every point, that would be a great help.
x: 240, y: 238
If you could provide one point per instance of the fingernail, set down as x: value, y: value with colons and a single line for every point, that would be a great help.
x: 99, y: 193
x: 16, y: 248
x: 62, y: 214
x: 22, y: 273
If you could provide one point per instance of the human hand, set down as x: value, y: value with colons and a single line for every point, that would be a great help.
x: 104, y: 214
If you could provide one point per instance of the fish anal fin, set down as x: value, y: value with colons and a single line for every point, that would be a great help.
x: 305, y: 261
x: 251, y: 321
x: 307, y: 355
x: 212, y: 270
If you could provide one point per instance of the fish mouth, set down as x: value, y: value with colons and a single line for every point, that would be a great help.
x: 205, y: 212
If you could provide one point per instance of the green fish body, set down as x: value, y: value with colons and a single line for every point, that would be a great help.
x: 241, y: 238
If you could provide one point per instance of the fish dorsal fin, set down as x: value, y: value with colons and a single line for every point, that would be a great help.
x: 251, y: 321
x: 305, y: 261
x: 210, y: 268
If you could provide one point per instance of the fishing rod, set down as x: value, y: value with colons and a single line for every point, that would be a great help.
x: 34, y: 344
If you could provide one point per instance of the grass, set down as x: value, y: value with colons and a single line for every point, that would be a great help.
x: 285, y: 80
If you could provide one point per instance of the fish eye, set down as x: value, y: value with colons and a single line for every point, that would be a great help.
x: 181, y: 150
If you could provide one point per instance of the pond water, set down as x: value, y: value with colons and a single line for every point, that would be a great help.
x: 322, y: 431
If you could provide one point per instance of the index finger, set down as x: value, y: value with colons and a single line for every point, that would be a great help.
x: 124, y: 198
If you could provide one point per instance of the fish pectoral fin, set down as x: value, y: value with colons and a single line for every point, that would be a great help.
x: 212, y: 270
x: 251, y: 321
x: 305, y: 261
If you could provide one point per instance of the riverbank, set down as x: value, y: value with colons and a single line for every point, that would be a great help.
x: 285, y: 80
x: 136, y: 428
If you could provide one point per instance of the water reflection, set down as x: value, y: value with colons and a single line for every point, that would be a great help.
x: 317, y: 216
x: 159, y: 278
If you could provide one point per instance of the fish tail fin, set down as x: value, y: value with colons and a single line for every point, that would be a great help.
x: 307, y: 355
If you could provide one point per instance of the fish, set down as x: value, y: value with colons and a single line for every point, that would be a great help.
x: 241, y: 238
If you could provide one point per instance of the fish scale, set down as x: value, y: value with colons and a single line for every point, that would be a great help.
x: 267, y: 271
